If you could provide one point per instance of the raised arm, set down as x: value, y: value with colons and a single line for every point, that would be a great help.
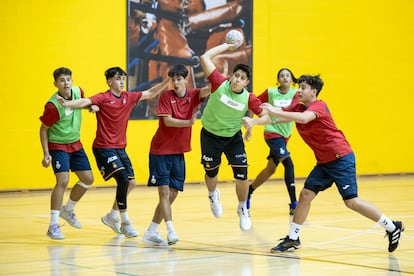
x: 155, y: 90
x: 206, y: 59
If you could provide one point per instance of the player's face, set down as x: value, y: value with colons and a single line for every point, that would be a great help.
x: 117, y: 83
x: 64, y: 84
x: 238, y: 81
x: 285, y: 78
x: 306, y: 93
x: 179, y: 84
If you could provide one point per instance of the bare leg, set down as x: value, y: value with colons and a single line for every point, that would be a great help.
x: 364, y: 208
x: 302, y: 209
x: 211, y: 182
x: 265, y: 174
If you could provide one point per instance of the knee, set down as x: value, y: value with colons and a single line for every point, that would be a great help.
x: 351, y: 203
x: 240, y: 173
x: 212, y: 173
x: 306, y: 195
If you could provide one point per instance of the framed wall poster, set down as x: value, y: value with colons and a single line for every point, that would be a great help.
x: 162, y: 33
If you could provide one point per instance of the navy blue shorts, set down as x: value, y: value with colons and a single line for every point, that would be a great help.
x: 278, y: 149
x: 167, y: 170
x: 111, y: 160
x: 341, y: 171
x: 213, y: 146
x: 74, y: 161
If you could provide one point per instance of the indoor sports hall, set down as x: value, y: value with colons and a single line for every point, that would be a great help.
x: 363, y: 50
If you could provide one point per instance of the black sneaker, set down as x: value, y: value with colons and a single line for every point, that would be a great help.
x: 394, y: 236
x: 286, y: 245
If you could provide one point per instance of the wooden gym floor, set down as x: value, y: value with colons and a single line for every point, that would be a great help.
x: 335, y: 240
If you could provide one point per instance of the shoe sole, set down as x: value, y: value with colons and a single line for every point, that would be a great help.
x: 290, y: 249
x: 171, y: 242
x: 149, y: 242
x: 110, y: 226
x: 55, y: 238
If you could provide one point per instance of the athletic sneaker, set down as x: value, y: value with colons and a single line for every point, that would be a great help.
x: 54, y: 232
x: 286, y: 245
x: 172, y: 238
x: 394, y: 236
x: 215, y: 204
x: 112, y: 223
x: 245, y: 222
x: 70, y: 217
x: 128, y: 230
x: 153, y: 238
x: 292, y: 208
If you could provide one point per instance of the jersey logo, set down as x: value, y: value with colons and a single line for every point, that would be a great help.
x: 282, y: 103
x: 231, y: 103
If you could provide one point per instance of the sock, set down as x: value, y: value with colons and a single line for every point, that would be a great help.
x: 54, y: 217
x: 124, y: 217
x: 294, y: 231
x: 70, y: 205
x: 114, y: 214
x: 386, y: 223
x: 153, y: 227
x: 242, y: 204
x: 170, y: 227
x: 212, y: 194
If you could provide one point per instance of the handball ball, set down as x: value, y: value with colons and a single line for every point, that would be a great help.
x: 234, y: 37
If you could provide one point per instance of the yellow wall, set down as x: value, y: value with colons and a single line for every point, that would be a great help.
x: 362, y: 49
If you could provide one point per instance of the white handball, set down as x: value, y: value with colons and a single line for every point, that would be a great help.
x: 234, y: 37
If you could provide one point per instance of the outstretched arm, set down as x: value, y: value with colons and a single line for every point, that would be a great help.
x: 79, y: 103
x: 155, y: 90
x: 298, y: 117
x: 206, y: 59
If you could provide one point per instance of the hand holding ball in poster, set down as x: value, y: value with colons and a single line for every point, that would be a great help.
x: 234, y: 37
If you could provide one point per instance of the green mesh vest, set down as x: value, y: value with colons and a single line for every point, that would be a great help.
x: 278, y: 99
x: 224, y: 111
x: 67, y: 129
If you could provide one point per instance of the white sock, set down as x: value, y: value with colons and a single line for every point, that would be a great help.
x: 124, y: 217
x: 211, y: 194
x: 170, y: 227
x: 242, y: 204
x: 54, y: 217
x: 386, y: 223
x: 294, y: 231
x: 153, y: 227
x: 114, y: 213
x: 70, y: 205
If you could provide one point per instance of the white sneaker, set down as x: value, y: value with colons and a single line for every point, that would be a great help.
x: 245, y: 222
x: 215, y: 204
x: 153, y: 238
x: 70, y: 217
x: 54, y: 232
x: 172, y: 238
x: 112, y: 223
x: 128, y: 230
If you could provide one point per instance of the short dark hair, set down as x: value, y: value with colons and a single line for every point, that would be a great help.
x: 178, y: 70
x: 111, y: 72
x: 245, y: 68
x: 314, y: 81
x: 61, y: 71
